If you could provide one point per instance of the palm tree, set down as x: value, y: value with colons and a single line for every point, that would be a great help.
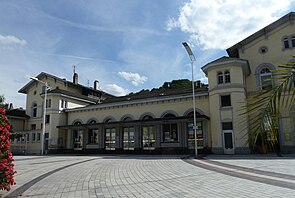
x: 265, y: 107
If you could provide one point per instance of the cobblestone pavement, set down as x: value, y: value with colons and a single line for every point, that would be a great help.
x: 151, y: 176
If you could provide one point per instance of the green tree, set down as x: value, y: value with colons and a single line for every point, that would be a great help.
x: 265, y: 107
x: 2, y: 103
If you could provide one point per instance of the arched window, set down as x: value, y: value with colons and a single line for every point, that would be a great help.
x: 109, y: 119
x: 92, y: 122
x: 227, y: 76
x: 77, y: 123
x: 147, y: 117
x: 34, y: 114
x: 265, y: 78
x: 169, y: 115
x: 220, y: 77
x: 127, y: 119
x: 286, y: 42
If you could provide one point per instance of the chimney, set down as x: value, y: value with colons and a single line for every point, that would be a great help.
x: 96, y: 85
x: 198, y: 84
x: 75, y: 77
x: 10, y: 106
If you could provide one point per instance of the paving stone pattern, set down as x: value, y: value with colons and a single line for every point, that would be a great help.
x: 132, y: 176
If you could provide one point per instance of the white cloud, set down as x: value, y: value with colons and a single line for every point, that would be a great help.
x: 135, y: 78
x: 222, y: 23
x: 115, y: 90
x: 11, y: 40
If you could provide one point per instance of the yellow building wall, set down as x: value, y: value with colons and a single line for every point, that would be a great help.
x: 180, y: 106
x: 276, y: 55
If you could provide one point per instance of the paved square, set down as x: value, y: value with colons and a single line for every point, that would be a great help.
x: 147, y: 176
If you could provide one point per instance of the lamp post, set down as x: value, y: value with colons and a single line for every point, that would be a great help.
x: 44, y: 112
x: 192, y: 58
x: 26, y: 143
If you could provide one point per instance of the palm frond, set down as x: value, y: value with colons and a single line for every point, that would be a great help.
x: 265, y: 106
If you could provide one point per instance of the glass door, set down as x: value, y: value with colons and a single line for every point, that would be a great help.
x: 78, y: 139
x: 191, y: 136
x: 110, y: 139
x: 128, y: 138
x: 148, y: 137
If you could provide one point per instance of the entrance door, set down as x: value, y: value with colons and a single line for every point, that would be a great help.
x: 110, y: 139
x: 128, y: 138
x: 191, y: 136
x: 78, y: 139
x: 148, y: 138
x: 228, y: 142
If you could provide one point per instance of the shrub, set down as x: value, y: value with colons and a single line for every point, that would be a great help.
x: 6, y: 159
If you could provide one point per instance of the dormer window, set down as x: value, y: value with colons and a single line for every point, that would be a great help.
x: 223, y: 77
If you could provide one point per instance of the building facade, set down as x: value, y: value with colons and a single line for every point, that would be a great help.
x: 82, y: 119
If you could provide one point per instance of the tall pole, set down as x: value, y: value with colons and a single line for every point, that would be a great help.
x: 44, y: 120
x: 192, y: 58
x: 26, y: 143
x: 194, y: 109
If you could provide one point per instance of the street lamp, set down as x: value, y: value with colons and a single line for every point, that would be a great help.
x: 192, y: 58
x: 44, y: 112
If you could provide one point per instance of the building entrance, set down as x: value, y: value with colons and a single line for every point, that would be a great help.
x: 110, y: 139
x: 148, y: 138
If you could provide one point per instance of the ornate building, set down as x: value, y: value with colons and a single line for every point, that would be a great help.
x: 83, y: 119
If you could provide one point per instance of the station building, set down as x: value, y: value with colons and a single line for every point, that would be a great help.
x: 83, y: 119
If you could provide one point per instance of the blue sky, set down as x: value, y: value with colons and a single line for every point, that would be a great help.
x: 127, y: 45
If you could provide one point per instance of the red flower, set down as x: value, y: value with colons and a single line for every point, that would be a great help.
x: 6, y: 159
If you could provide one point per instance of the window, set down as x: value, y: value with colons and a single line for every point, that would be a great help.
x: 93, y: 136
x: 265, y: 78
x: 223, y: 77
x: 293, y: 41
x: 64, y: 104
x: 34, y: 110
x: 48, y: 103
x: 227, y: 126
x: 170, y: 132
x: 227, y: 76
x: 33, y: 126
x: 33, y: 137
x: 47, y: 119
x: 225, y: 101
x: 28, y: 137
x: 128, y: 138
x: 110, y: 139
x: 220, y: 77
x: 38, y: 137
x: 127, y: 119
x: 286, y: 42
x: 147, y: 117
x: 191, y: 135
x: 263, y: 50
